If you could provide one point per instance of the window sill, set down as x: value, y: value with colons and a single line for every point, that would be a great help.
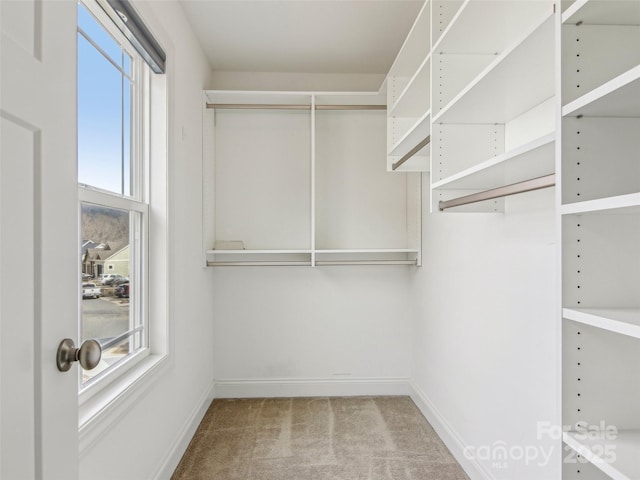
x: 103, y: 409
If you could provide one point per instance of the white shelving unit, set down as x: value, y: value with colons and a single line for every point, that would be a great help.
x: 493, y: 101
x: 600, y: 210
x: 409, y: 98
x: 297, y: 179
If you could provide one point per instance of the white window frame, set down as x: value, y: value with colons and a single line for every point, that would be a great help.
x: 106, y: 396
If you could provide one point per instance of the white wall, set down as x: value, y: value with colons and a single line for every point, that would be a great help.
x: 289, y: 330
x: 485, y: 335
x: 139, y: 443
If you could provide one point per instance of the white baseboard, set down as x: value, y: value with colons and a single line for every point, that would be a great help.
x: 268, y: 388
x: 179, y: 446
x: 451, y: 439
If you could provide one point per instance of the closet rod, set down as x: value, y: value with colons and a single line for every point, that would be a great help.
x: 520, y: 187
x: 412, y: 152
x: 286, y: 106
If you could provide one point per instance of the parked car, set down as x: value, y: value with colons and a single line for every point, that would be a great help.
x: 122, y: 290
x: 113, y: 279
x: 90, y: 290
x: 86, y: 276
x: 104, y: 277
x: 116, y: 280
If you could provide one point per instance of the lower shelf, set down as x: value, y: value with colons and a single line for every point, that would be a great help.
x: 616, y: 454
x: 234, y: 258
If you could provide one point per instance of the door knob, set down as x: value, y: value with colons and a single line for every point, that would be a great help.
x: 88, y: 354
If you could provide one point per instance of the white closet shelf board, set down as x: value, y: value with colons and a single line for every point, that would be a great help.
x: 490, y: 26
x: 261, y: 263
x: 598, y: 12
x: 383, y: 256
x: 623, y: 204
x: 295, y: 98
x: 351, y: 98
x: 254, y: 252
x: 515, y: 82
x: 416, y: 45
x: 366, y: 250
x: 625, y: 447
x: 221, y: 258
x: 619, y: 97
x: 413, y: 101
x: 532, y: 160
x: 417, y: 133
x: 625, y: 321
x: 260, y: 98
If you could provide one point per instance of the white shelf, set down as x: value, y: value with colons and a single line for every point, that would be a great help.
x: 415, y: 47
x: 383, y: 256
x: 620, y: 204
x: 489, y: 26
x: 619, y: 97
x: 260, y: 98
x: 598, y: 12
x: 625, y: 450
x: 367, y: 250
x: 625, y: 321
x: 534, y: 159
x: 414, y: 135
x: 518, y: 80
x: 414, y: 99
x: 220, y: 258
x: 255, y: 252
x: 237, y: 97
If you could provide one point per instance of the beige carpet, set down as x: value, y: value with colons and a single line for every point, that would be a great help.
x: 354, y: 438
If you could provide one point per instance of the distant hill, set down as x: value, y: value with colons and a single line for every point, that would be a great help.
x: 102, y: 224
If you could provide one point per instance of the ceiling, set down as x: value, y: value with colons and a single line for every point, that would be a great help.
x: 301, y: 36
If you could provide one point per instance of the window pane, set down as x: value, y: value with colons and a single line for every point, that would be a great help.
x: 98, y: 34
x: 107, y: 292
x: 100, y: 121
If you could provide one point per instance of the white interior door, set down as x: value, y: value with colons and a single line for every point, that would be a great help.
x: 38, y: 239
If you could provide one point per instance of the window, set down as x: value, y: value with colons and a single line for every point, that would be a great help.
x: 113, y: 190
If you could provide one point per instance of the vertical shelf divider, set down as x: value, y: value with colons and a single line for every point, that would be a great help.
x: 313, y: 180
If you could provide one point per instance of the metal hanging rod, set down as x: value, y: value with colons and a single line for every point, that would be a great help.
x: 286, y: 106
x: 412, y: 152
x: 513, y: 189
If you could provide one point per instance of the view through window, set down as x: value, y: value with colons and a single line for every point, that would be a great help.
x: 111, y: 182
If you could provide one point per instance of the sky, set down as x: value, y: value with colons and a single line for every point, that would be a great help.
x: 104, y: 139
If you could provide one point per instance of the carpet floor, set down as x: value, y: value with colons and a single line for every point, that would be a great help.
x: 350, y: 438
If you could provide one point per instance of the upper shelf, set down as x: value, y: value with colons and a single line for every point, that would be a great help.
x: 619, y: 97
x: 238, y: 97
x: 259, y: 98
x: 413, y: 101
x: 598, y: 12
x: 518, y: 80
x: 415, y: 47
x: 490, y: 26
x: 532, y: 160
